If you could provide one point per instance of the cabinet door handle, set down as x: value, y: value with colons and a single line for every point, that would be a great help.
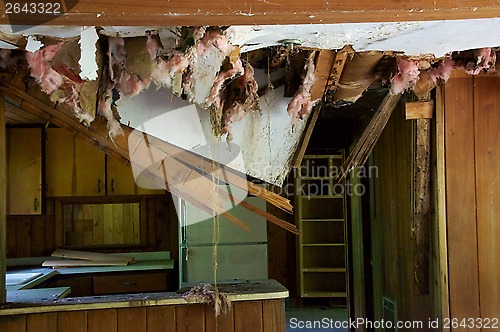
x: 35, y: 204
x: 112, y: 185
x: 99, y: 185
x: 129, y: 283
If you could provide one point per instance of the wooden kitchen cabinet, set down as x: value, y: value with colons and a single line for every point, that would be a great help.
x: 73, y: 167
x: 130, y: 283
x: 76, y: 168
x: 24, y: 153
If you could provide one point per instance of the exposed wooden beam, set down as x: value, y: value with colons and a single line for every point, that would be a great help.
x: 372, y: 133
x: 191, y: 12
x: 421, y: 204
x: 3, y: 201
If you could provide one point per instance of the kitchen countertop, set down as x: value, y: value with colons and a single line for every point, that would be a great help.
x: 267, y: 289
x: 25, y: 291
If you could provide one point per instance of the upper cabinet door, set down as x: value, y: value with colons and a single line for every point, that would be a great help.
x: 120, y: 179
x: 73, y: 167
x: 24, y: 171
x: 89, y: 170
x: 60, y: 162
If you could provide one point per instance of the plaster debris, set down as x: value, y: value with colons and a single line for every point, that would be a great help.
x: 207, y: 293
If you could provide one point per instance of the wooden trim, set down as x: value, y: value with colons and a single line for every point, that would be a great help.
x: 419, y: 110
x: 358, y: 295
x: 190, y: 12
x: 3, y: 201
x: 444, y: 296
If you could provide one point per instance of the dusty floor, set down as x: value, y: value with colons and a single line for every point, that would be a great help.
x: 318, y: 318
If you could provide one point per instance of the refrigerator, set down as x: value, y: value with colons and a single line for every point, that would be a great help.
x: 241, y: 255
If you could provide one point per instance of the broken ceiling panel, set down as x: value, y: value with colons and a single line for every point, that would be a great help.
x: 435, y: 38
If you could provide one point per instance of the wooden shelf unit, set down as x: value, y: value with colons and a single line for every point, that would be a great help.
x: 321, y: 216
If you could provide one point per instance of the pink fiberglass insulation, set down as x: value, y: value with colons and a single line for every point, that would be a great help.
x: 442, y: 71
x: 406, y: 77
x: 38, y: 61
x: 246, y: 102
x: 105, y: 109
x: 125, y: 83
x: 301, y: 103
x: 485, y: 58
x: 215, y: 98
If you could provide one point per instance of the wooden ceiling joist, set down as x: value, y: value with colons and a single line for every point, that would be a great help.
x: 201, y: 193
x: 366, y: 143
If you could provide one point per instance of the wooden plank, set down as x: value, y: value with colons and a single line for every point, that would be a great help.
x: 461, y: 200
x: 102, y: 320
x: 37, y: 236
x: 419, y: 110
x: 358, y: 289
x: 273, y: 315
x: 23, y: 243
x: 13, y: 323
x: 178, y: 12
x: 444, y: 295
x: 422, y: 205
x: 370, y: 136
x: 117, y: 224
x: 11, y: 239
x: 3, y: 200
x: 190, y: 318
x: 223, y: 322
x: 91, y: 256
x: 487, y: 141
x: 58, y: 263
x: 74, y: 321
x: 42, y: 322
x: 161, y: 319
x: 132, y: 319
x: 248, y: 316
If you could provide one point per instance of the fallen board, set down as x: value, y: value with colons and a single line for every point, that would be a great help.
x: 78, y: 262
x: 92, y: 256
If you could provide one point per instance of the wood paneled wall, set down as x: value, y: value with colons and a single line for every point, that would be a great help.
x: 32, y: 236
x: 472, y: 141
x: 265, y: 315
x: 391, y: 225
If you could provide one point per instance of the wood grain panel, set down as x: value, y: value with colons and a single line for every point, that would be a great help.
x: 223, y: 322
x: 42, y: 322
x: 59, y: 156
x: 74, y: 321
x: 461, y: 201
x: 190, y: 318
x: 247, y: 316
x: 132, y: 319
x: 161, y: 319
x: 487, y: 143
x: 191, y: 12
x: 13, y: 323
x: 273, y: 316
x: 102, y: 320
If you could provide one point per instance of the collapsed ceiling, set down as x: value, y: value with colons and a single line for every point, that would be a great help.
x: 229, y: 72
